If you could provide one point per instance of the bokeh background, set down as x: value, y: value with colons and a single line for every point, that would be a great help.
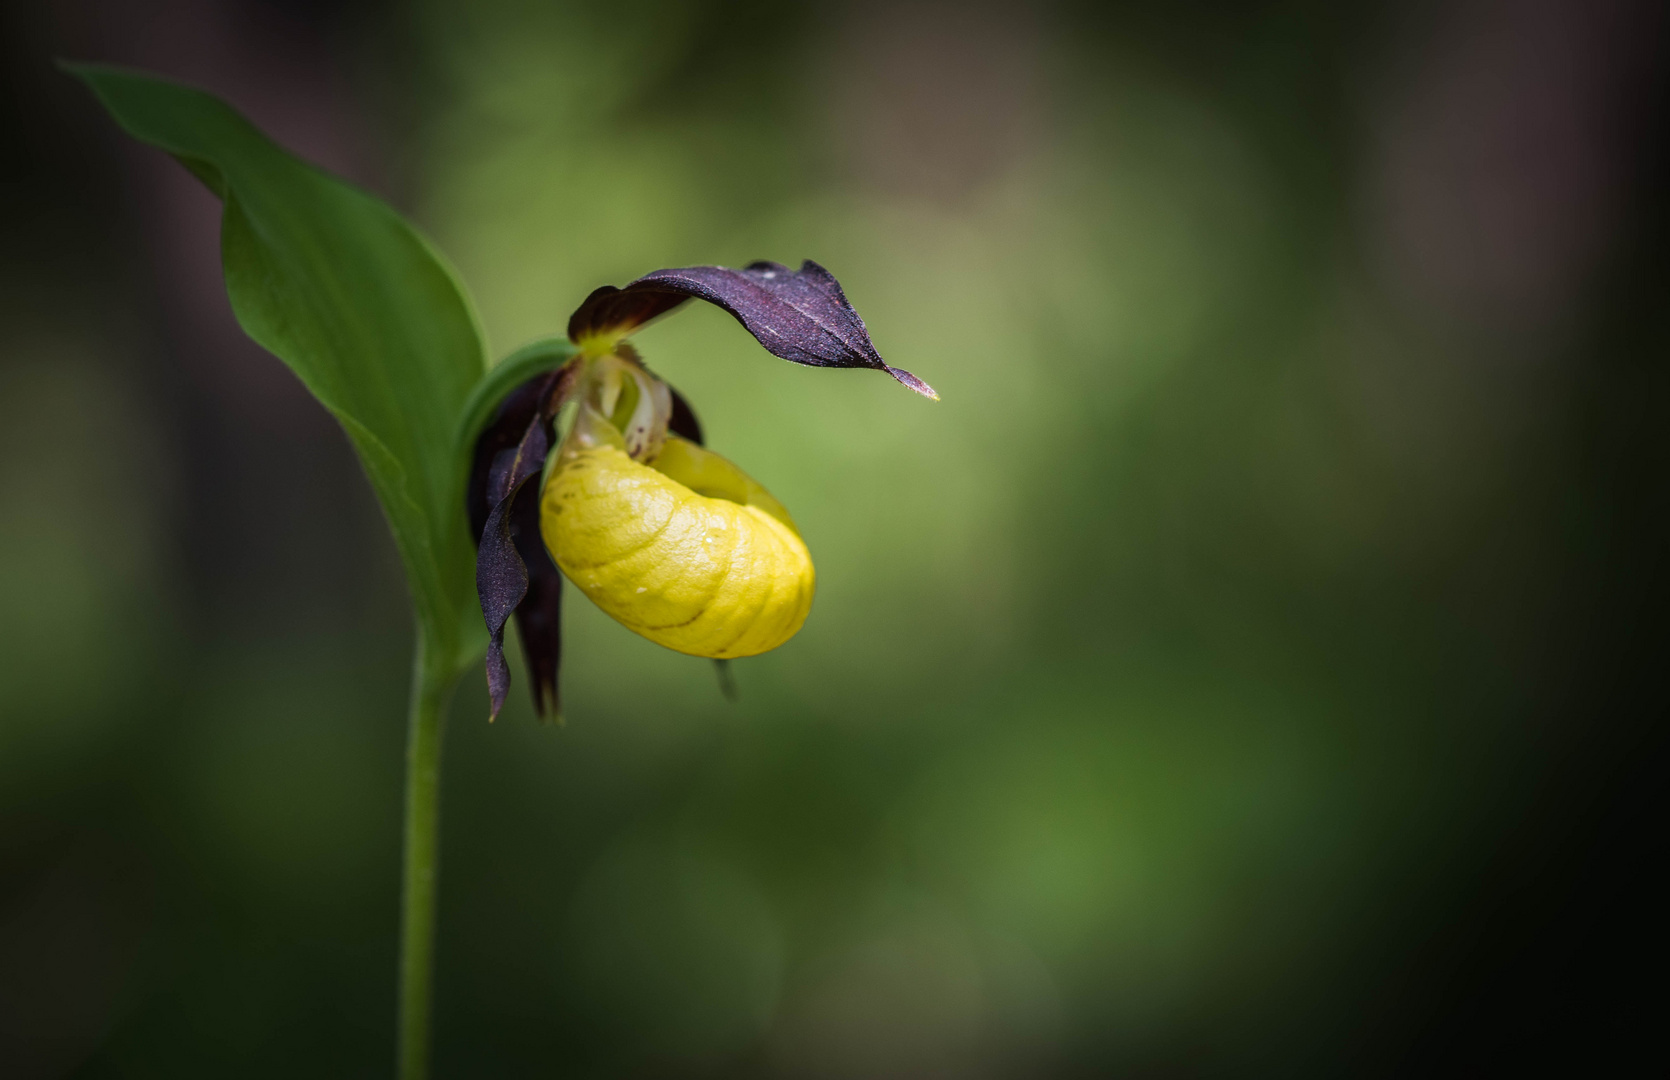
x: 1251, y: 666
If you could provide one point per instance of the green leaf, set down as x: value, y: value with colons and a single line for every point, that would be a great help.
x: 346, y: 292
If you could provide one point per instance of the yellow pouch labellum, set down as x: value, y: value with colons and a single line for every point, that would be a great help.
x: 687, y: 550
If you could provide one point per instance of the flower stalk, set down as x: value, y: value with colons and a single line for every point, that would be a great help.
x: 431, y: 693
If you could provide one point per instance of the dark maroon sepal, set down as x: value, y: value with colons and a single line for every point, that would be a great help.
x: 800, y: 315
x: 612, y: 310
x: 514, y: 572
x: 539, y: 615
x: 683, y: 421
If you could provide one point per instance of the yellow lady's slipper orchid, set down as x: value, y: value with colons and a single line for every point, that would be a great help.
x: 668, y: 538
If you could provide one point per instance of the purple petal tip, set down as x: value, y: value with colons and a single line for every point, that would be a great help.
x: 914, y: 383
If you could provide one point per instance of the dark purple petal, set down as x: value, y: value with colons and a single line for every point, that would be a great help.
x: 511, y: 451
x: 800, y: 315
x: 683, y: 421
x: 539, y: 615
x: 501, y: 578
x: 620, y: 310
x: 505, y: 430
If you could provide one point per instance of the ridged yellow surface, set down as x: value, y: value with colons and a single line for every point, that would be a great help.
x: 709, y: 576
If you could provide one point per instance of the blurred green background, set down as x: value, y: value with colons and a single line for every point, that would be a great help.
x: 1249, y: 667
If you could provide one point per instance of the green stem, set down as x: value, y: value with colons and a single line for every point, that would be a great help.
x: 431, y: 690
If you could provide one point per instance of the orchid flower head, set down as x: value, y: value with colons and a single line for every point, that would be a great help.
x: 670, y: 539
